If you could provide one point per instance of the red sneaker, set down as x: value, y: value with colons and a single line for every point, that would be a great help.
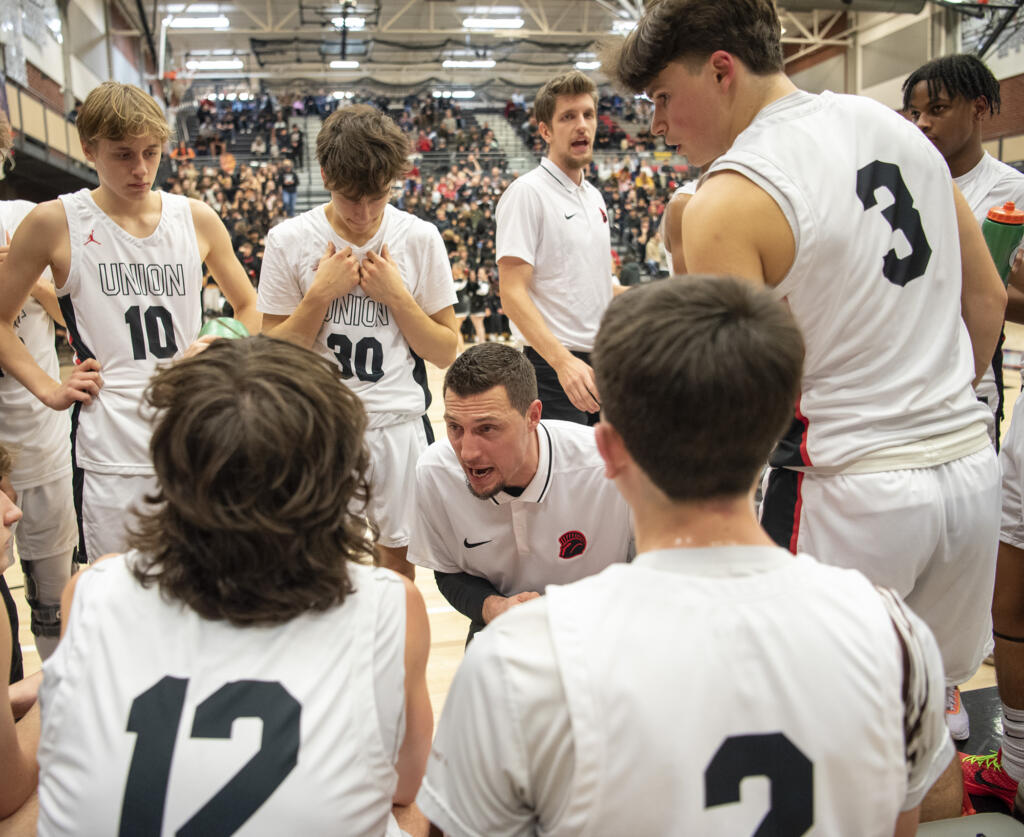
x: 985, y: 776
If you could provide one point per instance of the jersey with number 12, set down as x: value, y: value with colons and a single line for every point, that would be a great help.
x: 133, y: 304
x: 876, y: 279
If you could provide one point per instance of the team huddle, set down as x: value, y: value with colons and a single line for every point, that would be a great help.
x: 642, y: 638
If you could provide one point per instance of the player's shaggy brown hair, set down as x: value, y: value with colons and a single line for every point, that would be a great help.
x: 259, y: 455
x: 489, y: 365
x: 361, y: 152
x: 699, y: 376
x: 689, y: 31
x: 118, y: 111
x: 572, y: 83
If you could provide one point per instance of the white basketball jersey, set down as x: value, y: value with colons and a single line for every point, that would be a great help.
x: 38, y: 437
x: 876, y: 280
x: 762, y: 678
x: 359, y: 334
x: 133, y: 304
x: 990, y: 184
x: 157, y: 721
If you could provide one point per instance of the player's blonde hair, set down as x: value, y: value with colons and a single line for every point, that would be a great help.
x: 118, y: 111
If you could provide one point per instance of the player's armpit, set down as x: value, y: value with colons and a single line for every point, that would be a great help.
x: 732, y: 227
x: 674, y: 232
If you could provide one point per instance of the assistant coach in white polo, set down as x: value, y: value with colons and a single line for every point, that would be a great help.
x: 508, y: 503
x: 554, y: 252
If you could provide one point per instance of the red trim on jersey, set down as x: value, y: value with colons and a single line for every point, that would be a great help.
x: 804, y: 456
x: 797, y: 508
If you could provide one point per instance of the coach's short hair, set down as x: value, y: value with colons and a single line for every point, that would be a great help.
x: 571, y: 83
x: 489, y: 365
x: 261, y: 465
x: 117, y: 111
x: 361, y: 152
x: 689, y: 31
x: 700, y: 377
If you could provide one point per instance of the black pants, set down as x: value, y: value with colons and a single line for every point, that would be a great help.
x: 556, y: 403
x: 17, y: 666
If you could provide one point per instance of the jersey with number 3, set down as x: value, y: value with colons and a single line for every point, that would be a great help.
x: 358, y: 333
x: 158, y: 721
x: 133, y: 304
x: 876, y: 279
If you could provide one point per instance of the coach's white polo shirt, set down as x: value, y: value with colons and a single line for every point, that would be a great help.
x: 561, y: 229
x: 569, y: 522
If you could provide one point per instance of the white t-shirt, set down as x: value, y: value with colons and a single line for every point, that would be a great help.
x: 640, y: 700
x: 875, y: 283
x: 133, y: 304
x: 561, y: 229
x: 359, y: 334
x: 38, y: 438
x: 154, y: 715
x: 569, y: 522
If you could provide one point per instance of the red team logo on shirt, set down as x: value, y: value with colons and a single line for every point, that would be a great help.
x: 571, y: 544
x: 91, y: 239
x: 604, y: 217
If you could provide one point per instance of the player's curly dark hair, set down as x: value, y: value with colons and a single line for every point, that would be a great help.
x: 689, y: 31
x: 259, y: 456
x: 959, y: 75
x: 699, y: 376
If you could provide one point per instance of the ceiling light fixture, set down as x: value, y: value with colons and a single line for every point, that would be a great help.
x: 475, y: 64
x: 230, y: 64
x: 493, y: 23
x: 219, y: 22
x: 344, y: 65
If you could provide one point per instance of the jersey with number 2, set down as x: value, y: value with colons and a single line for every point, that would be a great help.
x: 876, y: 279
x: 133, y: 304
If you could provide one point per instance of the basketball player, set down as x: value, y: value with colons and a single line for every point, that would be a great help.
x: 585, y: 712
x: 17, y: 741
x: 948, y: 99
x: 554, y: 251
x: 845, y: 210
x: 241, y: 665
x: 538, y: 510
x: 127, y: 265
x: 379, y: 304
x: 41, y: 443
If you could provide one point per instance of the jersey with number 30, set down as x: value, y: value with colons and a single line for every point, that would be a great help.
x: 358, y: 333
x: 158, y: 721
x: 875, y: 283
x: 133, y: 304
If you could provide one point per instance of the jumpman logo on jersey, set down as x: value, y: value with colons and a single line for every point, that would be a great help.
x: 91, y: 239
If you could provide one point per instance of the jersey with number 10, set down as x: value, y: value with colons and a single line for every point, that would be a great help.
x: 133, y: 304
x: 876, y: 279
x: 358, y: 333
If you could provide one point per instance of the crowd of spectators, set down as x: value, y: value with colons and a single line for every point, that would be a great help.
x: 458, y: 175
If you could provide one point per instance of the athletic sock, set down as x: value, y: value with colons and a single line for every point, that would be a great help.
x: 1013, y: 742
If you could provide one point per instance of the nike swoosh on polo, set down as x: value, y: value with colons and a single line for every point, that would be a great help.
x: 567, y: 217
x: 468, y: 545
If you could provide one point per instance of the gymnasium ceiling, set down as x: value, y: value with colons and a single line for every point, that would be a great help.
x: 406, y: 42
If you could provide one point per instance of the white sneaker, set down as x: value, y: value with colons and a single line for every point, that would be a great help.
x: 956, y: 716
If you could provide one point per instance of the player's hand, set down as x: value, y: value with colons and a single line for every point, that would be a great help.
x: 201, y: 344
x: 1016, y: 274
x: 337, y: 273
x: 494, y: 606
x: 381, y: 280
x: 83, y: 385
x: 577, y: 379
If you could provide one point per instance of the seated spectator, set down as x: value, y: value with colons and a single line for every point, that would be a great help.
x: 247, y: 597
x: 258, y: 146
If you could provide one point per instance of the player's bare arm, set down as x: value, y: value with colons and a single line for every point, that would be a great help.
x: 419, y: 717
x: 215, y: 249
x: 337, y: 273
x: 576, y: 377
x: 732, y: 227
x: 674, y: 232
x: 982, y: 295
x: 433, y: 337
x: 494, y: 606
x: 40, y: 242
x: 17, y: 743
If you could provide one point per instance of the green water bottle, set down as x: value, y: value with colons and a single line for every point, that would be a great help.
x: 230, y: 327
x: 1003, y: 228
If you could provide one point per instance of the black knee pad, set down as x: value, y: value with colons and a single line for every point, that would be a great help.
x: 45, y: 619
